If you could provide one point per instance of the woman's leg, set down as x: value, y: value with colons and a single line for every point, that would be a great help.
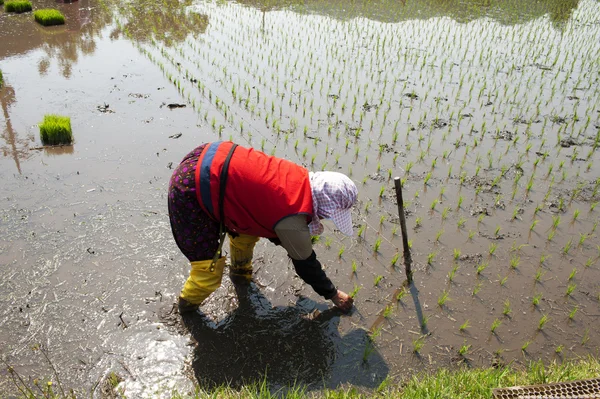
x: 196, y: 234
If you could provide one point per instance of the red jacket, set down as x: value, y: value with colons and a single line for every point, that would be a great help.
x: 260, y: 189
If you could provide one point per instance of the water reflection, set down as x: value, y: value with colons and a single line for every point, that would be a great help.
x: 14, y: 147
x: 168, y: 22
x: 286, y: 343
x: 505, y: 12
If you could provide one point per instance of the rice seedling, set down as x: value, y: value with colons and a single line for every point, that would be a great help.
x: 433, y: 204
x: 430, y: 258
x: 525, y: 346
x: 395, y: 259
x: 536, y: 299
x: 354, y: 266
x: 354, y: 291
x: 1, y: 77
x: 341, y: 251
x: 559, y: 349
x: 497, y: 231
x: 56, y: 130
x: 476, y: 289
x: 538, y: 275
x: 377, y: 280
x: 586, y: 337
x: 17, y: 6
x: 589, y: 263
x: 471, y: 235
x: 572, y: 313
x: 387, y: 312
x: 443, y: 298
x: 445, y: 213
x: 456, y: 254
x: 514, y: 262
x: 572, y: 274
x: 492, y: 248
x: 418, y: 344
x: 328, y: 242
x: 576, y: 215
x: 551, y: 235
x: 495, y: 324
x: 481, y: 267
x: 461, y: 223
x: 361, y: 230
x: 438, y: 235
x: 464, y: 326
x: 533, y: 224
x: 570, y: 289
x: 401, y: 294
x: 377, y: 244
x: 452, y: 273
x: 506, y: 310
x: 555, y: 221
x: 542, y: 322
x: 460, y: 201
x: 464, y: 349
x: 427, y: 178
x: 418, y: 222
x: 567, y: 247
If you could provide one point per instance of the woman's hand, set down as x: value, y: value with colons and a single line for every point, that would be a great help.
x: 343, y: 301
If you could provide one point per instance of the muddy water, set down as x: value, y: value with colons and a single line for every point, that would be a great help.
x: 495, y: 106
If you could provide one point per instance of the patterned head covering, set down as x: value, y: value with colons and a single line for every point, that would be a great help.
x: 333, y: 195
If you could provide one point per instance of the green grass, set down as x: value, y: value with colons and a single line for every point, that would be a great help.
x: 18, y: 6
x: 49, y: 17
x: 1, y: 78
x: 56, y: 130
x: 463, y: 383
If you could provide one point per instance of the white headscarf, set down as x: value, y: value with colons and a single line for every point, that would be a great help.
x: 333, y: 195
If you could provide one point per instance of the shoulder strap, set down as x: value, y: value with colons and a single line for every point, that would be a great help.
x: 222, y: 184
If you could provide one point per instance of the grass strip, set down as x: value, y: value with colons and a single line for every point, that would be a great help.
x: 463, y: 383
x: 1, y: 77
x: 55, y: 130
x: 18, y: 6
x: 49, y: 17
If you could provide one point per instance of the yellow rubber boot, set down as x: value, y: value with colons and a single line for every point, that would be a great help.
x: 242, y: 249
x: 204, y: 279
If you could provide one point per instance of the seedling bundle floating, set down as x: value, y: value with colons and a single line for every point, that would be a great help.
x: 17, y: 6
x: 56, y: 130
x: 49, y: 17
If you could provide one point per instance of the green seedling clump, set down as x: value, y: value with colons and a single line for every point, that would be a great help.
x: 56, y: 130
x: 18, y: 6
x: 1, y: 78
x: 49, y: 17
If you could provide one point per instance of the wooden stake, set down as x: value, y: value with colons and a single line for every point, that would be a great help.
x: 407, y: 257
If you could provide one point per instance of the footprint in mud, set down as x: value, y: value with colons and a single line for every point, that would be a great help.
x: 288, y: 345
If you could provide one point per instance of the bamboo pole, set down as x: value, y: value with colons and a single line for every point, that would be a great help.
x: 407, y: 257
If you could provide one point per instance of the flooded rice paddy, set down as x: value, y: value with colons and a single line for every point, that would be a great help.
x: 488, y: 111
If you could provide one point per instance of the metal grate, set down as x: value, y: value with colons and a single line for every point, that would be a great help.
x: 583, y: 389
